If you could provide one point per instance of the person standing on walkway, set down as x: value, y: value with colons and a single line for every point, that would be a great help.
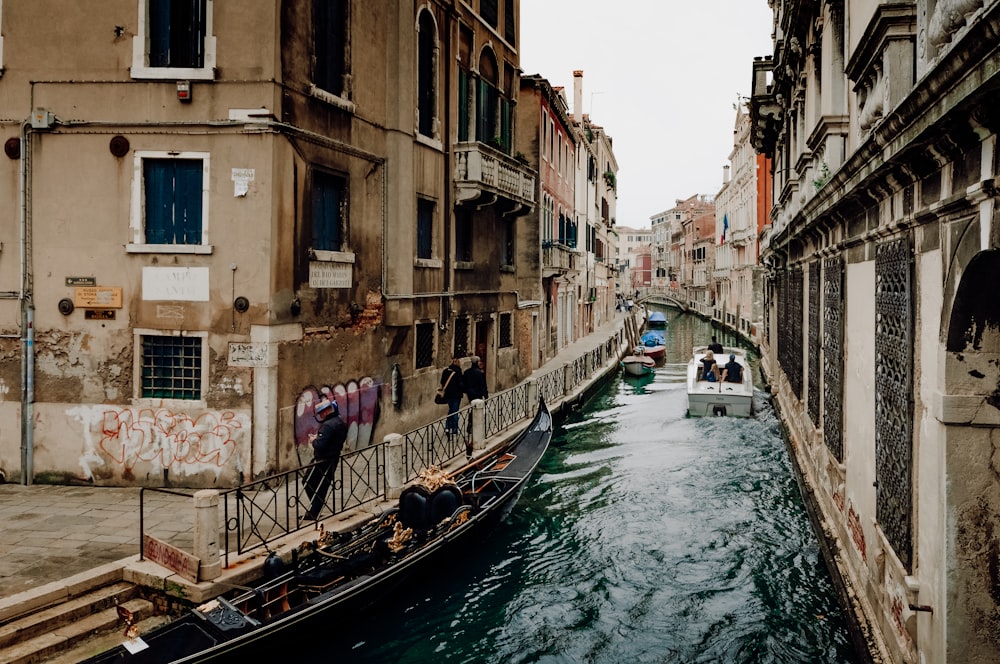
x: 327, y: 444
x: 454, y: 390
x: 475, y: 388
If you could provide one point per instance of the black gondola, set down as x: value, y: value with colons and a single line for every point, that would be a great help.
x: 340, y: 574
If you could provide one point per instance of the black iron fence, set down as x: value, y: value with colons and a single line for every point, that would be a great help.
x: 264, y: 510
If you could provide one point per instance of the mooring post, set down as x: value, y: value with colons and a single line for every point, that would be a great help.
x: 206, y: 534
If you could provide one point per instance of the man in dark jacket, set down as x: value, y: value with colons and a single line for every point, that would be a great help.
x: 475, y: 381
x: 475, y: 388
x: 732, y: 372
x: 327, y: 444
x: 454, y: 389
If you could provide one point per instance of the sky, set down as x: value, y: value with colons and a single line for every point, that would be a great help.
x: 661, y: 76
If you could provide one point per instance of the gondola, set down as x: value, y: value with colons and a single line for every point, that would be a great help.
x: 340, y: 574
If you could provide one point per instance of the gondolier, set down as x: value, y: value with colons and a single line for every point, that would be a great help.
x: 327, y: 444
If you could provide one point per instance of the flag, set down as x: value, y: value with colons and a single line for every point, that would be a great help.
x: 725, y: 227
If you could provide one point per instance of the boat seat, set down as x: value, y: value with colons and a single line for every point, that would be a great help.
x: 421, y: 510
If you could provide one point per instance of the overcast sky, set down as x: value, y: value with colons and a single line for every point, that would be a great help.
x: 661, y: 77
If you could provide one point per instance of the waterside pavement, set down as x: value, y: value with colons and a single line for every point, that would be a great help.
x: 58, y: 538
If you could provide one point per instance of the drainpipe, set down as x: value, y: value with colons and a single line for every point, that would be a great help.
x: 27, y: 320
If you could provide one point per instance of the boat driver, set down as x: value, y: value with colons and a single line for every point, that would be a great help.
x: 732, y: 372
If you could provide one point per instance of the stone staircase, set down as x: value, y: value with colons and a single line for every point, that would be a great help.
x: 72, y: 630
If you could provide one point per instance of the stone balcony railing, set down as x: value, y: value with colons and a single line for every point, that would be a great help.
x: 558, y: 259
x: 483, y: 172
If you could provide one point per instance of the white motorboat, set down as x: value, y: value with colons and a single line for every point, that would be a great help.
x: 721, y: 397
x: 638, y: 363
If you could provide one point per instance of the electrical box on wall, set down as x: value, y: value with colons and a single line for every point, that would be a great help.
x: 41, y: 119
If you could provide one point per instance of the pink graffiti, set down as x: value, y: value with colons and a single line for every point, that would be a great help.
x: 358, y: 402
x: 160, y: 436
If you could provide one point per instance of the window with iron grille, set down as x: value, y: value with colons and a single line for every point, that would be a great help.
x: 461, y: 337
x: 424, y: 350
x: 425, y: 228
x: 506, y: 336
x: 331, y: 45
x: 329, y: 211
x: 171, y: 366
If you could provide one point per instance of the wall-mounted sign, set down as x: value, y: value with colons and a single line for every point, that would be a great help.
x: 99, y: 314
x: 175, y: 283
x: 81, y: 281
x: 329, y: 275
x: 97, y: 297
x: 248, y: 354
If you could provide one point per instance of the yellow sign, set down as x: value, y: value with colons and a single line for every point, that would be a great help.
x: 98, y: 297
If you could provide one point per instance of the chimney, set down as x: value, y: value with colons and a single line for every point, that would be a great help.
x: 725, y: 174
x: 577, y: 95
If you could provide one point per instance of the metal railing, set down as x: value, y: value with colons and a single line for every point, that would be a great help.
x: 264, y: 510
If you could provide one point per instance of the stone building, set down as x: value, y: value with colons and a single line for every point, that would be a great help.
x: 881, y: 328
x: 228, y: 209
x: 547, y: 140
x: 741, y: 207
x: 596, y: 207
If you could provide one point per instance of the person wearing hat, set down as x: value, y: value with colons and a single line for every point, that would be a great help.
x: 454, y: 390
x: 732, y: 372
x: 327, y: 443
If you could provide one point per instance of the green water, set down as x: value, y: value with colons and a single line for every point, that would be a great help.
x: 645, y: 536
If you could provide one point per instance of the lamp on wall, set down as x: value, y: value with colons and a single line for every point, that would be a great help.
x: 296, y: 307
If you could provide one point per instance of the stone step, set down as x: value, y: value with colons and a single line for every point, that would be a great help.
x: 99, y: 643
x: 44, y: 620
x: 47, y: 647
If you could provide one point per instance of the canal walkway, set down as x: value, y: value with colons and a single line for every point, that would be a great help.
x: 61, y: 540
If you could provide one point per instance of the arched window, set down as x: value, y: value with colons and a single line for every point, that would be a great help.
x: 427, y: 75
x: 488, y: 100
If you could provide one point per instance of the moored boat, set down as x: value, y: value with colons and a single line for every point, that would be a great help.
x: 340, y: 574
x: 638, y: 363
x: 654, y: 345
x: 721, y: 397
x: 657, y: 319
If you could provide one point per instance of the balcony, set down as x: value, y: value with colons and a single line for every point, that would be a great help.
x: 741, y: 237
x: 487, y: 176
x: 557, y: 259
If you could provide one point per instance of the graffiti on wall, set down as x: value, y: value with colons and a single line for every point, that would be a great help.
x: 358, y: 401
x: 161, y: 438
x: 857, y: 531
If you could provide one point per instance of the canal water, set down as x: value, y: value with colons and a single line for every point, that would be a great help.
x: 644, y: 536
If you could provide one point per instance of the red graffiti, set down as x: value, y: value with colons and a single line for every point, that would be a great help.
x: 838, y: 501
x: 167, y: 439
x: 857, y: 532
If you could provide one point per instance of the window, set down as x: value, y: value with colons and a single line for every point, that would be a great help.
x: 489, y: 10
x: 424, y: 351
x: 507, y: 248
x: 425, y: 228
x: 331, y: 46
x: 171, y: 366
x: 169, y: 209
x: 174, y: 40
x: 329, y: 211
x: 509, y: 24
x: 461, y: 337
x: 463, y: 236
x: 426, y: 79
x: 488, y: 101
x: 506, y: 336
